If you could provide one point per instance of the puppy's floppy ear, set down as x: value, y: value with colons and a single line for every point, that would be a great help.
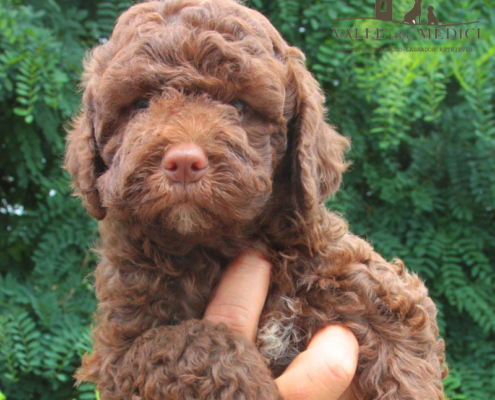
x: 84, y: 164
x: 316, y: 150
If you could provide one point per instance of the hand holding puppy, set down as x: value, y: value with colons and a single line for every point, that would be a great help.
x: 325, y: 370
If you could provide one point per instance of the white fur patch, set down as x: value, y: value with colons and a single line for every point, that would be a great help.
x: 279, y: 336
x: 188, y: 219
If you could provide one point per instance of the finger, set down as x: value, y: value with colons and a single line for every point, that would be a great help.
x: 353, y: 392
x: 325, y: 370
x: 241, y: 294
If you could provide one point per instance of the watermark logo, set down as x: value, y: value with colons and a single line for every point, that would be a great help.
x: 428, y: 25
x: 384, y: 11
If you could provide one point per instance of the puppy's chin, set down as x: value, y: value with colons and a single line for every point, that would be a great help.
x: 195, y: 222
x: 189, y: 220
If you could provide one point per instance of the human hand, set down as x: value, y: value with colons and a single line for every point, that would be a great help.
x: 325, y: 370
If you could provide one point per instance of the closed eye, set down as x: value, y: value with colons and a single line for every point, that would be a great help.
x: 240, y: 106
x: 141, y: 104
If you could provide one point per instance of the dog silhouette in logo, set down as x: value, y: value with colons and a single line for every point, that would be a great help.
x: 410, y: 17
x: 432, y: 18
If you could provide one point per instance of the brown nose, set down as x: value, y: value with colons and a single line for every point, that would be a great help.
x: 185, y: 163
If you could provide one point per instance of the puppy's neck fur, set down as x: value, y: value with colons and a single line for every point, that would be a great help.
x: 146, y: 246
x: 154, y: 247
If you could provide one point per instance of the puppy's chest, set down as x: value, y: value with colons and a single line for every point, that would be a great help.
x: 279, y: 338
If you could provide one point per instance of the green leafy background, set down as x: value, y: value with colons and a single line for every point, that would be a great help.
x: 421, y: 187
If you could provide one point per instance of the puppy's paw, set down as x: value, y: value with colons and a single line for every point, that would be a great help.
x: 196, y: 360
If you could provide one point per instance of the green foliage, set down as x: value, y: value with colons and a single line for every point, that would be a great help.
x: 422, y: 184
x: 46, y: 301
x: 107, y: 13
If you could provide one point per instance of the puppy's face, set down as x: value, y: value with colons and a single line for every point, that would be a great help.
x: 186, y: 118
x: 237, y: 150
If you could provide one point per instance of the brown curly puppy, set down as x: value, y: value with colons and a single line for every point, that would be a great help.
x: 202, y: 134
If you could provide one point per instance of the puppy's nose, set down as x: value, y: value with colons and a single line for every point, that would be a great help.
x: 185, y: 163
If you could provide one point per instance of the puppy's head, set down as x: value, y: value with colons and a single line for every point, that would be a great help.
x: 190, y: 112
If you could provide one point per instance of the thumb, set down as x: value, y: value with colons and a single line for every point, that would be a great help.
x: 325, y: 370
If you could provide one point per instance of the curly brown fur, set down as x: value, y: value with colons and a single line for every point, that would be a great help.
x: 164, y: 246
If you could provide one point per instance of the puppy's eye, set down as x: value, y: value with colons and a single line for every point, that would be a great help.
x: 239, y: 105
x: 141, y: 104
